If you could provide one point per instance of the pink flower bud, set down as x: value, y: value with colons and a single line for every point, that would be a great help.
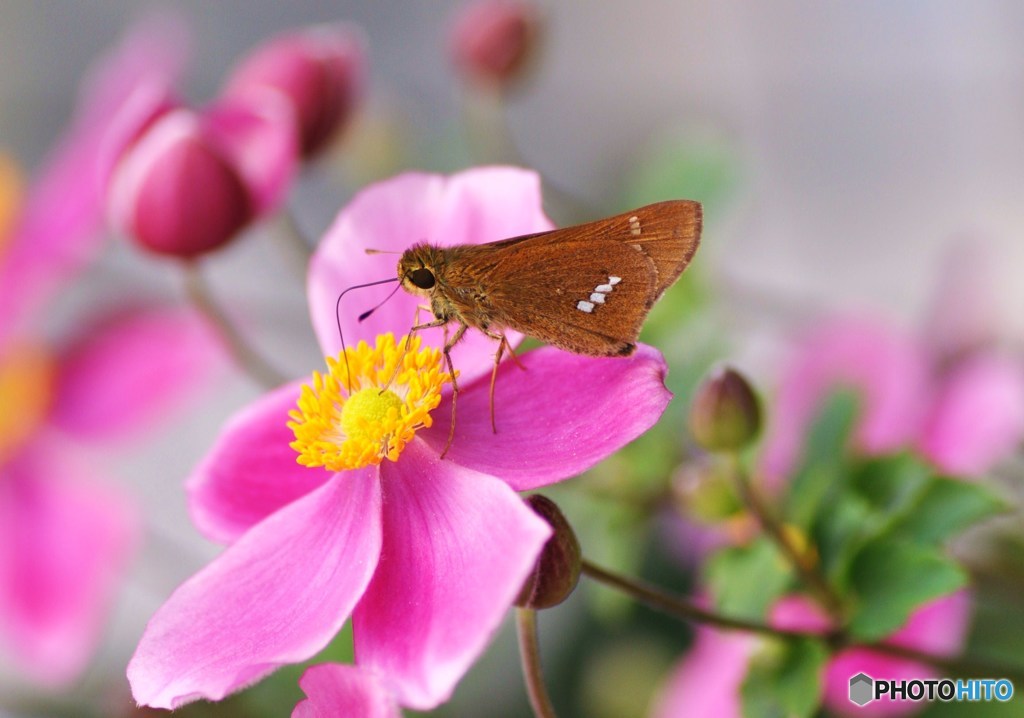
x: 320, y: 70
x: 493, y: 40
x: 177, y: 192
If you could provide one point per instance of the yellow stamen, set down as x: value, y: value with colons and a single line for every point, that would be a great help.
x: 26, y: 394
x: 346, y: 424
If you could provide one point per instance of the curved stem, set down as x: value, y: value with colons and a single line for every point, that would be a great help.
x: 246, y: 357
x: 529, y: 652
x: 671, y: 605
x: 772, y: 526
x: 294, y: 242
x: 665, y: 602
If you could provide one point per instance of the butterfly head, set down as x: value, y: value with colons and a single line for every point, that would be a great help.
x: 417, y: 269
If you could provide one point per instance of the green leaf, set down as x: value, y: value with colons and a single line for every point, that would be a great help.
x: 890, y: 578
x: 822, y: 466
x: 785, y: 680
x: 891, y: 483
x: 945, y: 508
x: 746, y: 580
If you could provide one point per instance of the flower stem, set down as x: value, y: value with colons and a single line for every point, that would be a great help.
x: 671, y: 605
x: 665, y: 602
x: 529, y: 652
x: 294, y: 242
x: 246, y: 357
x: 772, y: 526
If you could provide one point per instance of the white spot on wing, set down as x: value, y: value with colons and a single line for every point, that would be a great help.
x: 598, y: 296
x: 634, y: 226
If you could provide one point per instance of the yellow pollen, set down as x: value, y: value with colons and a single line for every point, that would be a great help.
x: 346, y: 422
x: 26, y: 393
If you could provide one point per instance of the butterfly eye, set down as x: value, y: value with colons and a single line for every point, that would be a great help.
x: 422, y: 278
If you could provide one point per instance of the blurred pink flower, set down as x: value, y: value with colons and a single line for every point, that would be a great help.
x: 708, y: 680
x: 492, y: 41
x: 193, y: 180
x: 887, y: 370
x: 425, y: 554
x: 964, y: 417
x: 938, y: 627
x: 58, y: 230
x: 321, y: 70
x: 333, y: 689
x: 65, y: 537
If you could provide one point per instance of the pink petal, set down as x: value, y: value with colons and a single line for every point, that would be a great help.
x: 977, y: 419
x: 278, y: 595
x: 707, y: 682
x: 472, y: 207
x: 64, y: 543
x: 799, y: 613
x: 335, y: 690
x: 59, y: 228
x: 457, y: 547
x: 938, y: 627
x: 251, y: 471
x: 129, y: 370
x: 887, y: 370
x: 259, y: 135
x: 556, y: 419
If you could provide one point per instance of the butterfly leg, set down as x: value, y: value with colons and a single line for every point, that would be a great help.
x: 455, y: 387
x: 502, y: 346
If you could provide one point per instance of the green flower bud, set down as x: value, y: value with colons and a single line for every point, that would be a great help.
x: 726, y: 414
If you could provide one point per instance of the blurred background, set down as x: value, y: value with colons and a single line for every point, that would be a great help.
x: 842, y: 151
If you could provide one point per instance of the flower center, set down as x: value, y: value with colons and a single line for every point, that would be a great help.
x: 368, y: 405
x: 26, y: 393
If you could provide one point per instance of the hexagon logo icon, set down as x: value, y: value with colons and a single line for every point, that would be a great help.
x: 861, y: 689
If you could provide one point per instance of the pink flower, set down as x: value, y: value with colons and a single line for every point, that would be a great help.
x: 66, y: 537
x: 938, y: 627
x: 887, y: 371
x: 708, y: 680
x: 320, y: 70
x: 963, y: 417
x: 58, y: 230
x: 425, y: 554
x: 334, y: 689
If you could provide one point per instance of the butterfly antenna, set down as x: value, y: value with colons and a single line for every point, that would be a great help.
x: 368, y: 312
x: 337, y: 317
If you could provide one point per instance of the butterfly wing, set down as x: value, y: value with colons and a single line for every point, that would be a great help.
x: 586, y: 288
x: 589, y: 297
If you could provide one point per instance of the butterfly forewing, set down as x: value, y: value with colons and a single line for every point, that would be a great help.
x: 589, y: 296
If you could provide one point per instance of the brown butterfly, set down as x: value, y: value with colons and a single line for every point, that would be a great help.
x: 586, y: 289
